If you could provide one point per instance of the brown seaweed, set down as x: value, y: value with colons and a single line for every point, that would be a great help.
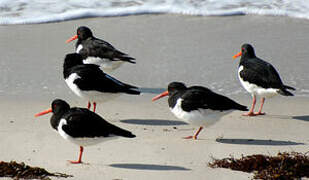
x: 284, y: 165
x: 22, y: 171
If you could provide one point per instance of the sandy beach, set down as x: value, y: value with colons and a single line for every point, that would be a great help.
x: 195, y: 50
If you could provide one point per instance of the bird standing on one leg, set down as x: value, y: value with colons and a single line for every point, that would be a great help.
x: 198, y: 105
x: 81, y: 126
x: 259, y: 78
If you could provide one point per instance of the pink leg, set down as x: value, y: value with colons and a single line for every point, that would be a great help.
x: 94, y: 106
x: 89, y: 105
x: 261, y: 107
x: 195, y: 135
x: 81, y: 149
x: 250, y: 113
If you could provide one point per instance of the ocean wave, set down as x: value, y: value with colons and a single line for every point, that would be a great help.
x: 35, y: 11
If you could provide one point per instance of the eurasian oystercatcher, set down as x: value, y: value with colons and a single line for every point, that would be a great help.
x: 259, y: 78
x: 97, y: 51
x: 81, y: 126
x: 198, y: 105
x: 90, y: 82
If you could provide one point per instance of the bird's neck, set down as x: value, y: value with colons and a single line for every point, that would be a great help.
x: 80, y: 41
x: 55, y: 120
x: 66, y: 69
x: 246, y: 57
x: 67, y: 65
x: 172, y: 99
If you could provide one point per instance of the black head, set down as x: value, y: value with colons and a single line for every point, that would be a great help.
x: 172, y: 89
x: 83, y: 33
x: 247, y: 51
x: 73, y: 59
x: 175, y: 87
x: 59, y: 106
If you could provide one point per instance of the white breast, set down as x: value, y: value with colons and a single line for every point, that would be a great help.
x: 81, y: 141
x: 106, y: 64
x: 200, y: 117
x: 79, y: 47
x: 70, y: 82
x: 93, y: 96
x: 256, y: 90
x: 96, y: 96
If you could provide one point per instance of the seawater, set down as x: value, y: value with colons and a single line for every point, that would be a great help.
x: 44, y: 11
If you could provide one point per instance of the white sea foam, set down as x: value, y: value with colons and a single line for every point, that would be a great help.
x: 38, y: 11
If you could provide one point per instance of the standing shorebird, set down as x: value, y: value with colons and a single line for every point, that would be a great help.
x: 259, y: 78
x: 81, y: 126
x: 91, y: 83
x: 198, y: 105
x: 97, y: 51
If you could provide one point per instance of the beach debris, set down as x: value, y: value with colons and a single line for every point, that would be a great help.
x: 284, y: 165
x: 166, y: 130
x: 22, y: 171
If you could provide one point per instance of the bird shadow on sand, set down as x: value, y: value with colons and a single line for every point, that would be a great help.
x: 274, y: 116
x: 260, y: 142
x: 152, y: 167
x: 153, y: 122
x: 303, y: 118
x: 152, y: 90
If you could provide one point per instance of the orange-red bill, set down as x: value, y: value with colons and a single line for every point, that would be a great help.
x: 71, y: 39
x: 237, y: 55
x: 160, y: 96
x: 43, y: 112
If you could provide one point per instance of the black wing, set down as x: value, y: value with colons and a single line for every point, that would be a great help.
x: 261, y: 73
x: 93, y: 78
x: 197, y: 97
x: 84, y: 123
x: 99, y: 48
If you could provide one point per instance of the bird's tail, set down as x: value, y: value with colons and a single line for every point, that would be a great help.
x: 133, y: 91
x: 129, y: 89
x: 289, y: 87
x: 284, y: 92
x: 122, y: 132
x: 127, y: 59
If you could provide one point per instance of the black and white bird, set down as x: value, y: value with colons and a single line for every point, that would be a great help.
x: 198, y: 105
x: 88, y: 81
x: 81, y: 126
x: 97, y: 51
x: 259, y: 78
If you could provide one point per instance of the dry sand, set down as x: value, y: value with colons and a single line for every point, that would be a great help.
x: 195, y: 50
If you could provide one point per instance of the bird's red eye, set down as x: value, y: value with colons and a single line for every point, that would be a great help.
x: 243, y: 49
